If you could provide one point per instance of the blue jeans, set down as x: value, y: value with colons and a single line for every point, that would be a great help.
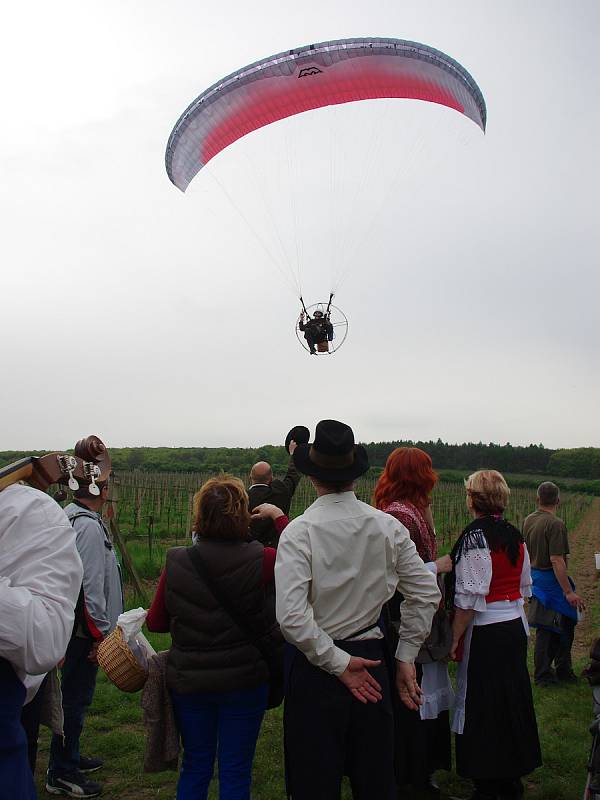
x: 226, y: 723
x: 78, y: 682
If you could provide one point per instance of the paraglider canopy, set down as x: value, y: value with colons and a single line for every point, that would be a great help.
x: 311, y: 77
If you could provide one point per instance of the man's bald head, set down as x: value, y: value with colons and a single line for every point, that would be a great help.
x: 261, y: 472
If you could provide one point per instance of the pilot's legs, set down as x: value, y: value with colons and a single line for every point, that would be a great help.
x: 310, y: 341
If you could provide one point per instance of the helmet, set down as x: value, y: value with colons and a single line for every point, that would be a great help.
x: 318, y: 314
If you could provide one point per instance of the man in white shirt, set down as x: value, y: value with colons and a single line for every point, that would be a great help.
x: 337, y: 564
x: 40, y: 578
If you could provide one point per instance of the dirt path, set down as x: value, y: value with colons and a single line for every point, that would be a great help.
x: 584, y: 541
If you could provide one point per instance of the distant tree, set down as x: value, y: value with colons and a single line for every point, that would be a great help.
x: 579, y: 462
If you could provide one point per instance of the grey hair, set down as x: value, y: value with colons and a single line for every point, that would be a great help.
x: 548, y: 493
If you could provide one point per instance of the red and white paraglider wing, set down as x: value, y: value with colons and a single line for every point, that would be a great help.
x: 311, y: 77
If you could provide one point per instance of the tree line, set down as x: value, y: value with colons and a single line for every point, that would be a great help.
x: 581, y: 463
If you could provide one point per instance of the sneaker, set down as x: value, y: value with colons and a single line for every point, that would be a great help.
x: 72, y: 784
x: 90, y: 764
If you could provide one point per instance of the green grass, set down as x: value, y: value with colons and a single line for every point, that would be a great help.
x: 114, y: 732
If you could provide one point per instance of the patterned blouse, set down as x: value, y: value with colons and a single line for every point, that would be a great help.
x: 420, y: 532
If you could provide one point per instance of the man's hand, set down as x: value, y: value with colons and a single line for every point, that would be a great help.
x: 407, y: 686
x: 454, y: 649
x: 292, y: 446
x: 575, y: 601
x: 266, y: 511
x: 359, y: 681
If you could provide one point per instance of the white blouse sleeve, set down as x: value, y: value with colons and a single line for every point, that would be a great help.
x: 526, y: 581
x: 473, y: 577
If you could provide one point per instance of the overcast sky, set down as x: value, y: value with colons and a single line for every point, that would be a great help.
x: 150, y: 317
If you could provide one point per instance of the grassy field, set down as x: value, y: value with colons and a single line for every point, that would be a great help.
x: 114, y: 729
x: 114, y: 732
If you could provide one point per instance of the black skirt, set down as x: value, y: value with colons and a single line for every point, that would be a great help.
x: 421, y: 745
x: 500, y: 737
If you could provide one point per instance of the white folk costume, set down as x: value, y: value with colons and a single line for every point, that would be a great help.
x: 494, y: 719
x: 40, y: 577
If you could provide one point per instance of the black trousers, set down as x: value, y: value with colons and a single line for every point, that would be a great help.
x: 554, y: 648
x: 329, y: 734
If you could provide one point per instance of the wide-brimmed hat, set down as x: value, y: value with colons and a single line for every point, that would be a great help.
x: 298, y: 434
x: 333, y: 456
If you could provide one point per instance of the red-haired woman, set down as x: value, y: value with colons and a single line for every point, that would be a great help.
x: 423, y: 740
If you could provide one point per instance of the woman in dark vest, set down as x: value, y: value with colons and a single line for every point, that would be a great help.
x: 422, y: 742
x: 211, y: 597
x: 494, y: 719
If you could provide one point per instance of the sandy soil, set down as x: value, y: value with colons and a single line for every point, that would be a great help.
x: 584, y: 541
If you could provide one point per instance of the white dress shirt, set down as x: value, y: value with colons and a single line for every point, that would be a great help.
x: 337, y: 564
x: 40, y: 578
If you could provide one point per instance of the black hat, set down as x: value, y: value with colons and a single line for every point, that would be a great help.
x: 333, y: 456
x: 298, y: 434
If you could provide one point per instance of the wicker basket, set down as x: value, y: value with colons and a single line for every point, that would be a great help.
x: 119, y: 664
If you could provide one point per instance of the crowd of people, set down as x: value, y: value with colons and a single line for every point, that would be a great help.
x: 347, y: 613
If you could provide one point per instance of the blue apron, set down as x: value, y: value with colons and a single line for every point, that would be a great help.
x: 16, y: 780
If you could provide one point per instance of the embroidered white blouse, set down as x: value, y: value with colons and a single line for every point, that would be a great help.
x: 473, y: 578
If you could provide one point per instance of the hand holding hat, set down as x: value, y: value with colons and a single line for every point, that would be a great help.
x: 299, y: 434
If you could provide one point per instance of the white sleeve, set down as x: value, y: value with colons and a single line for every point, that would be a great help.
x: 293, y: 575
x: 40, y: 578
x: 473, y: 578
x: 526, y: 581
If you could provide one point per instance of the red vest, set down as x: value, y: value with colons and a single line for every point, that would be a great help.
x: 506, y: 579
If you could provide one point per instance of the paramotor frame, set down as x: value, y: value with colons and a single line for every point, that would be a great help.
x: 338, y: 320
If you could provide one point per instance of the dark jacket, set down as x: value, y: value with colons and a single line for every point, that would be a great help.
x: 279, y: 493
x: 209, y: 652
